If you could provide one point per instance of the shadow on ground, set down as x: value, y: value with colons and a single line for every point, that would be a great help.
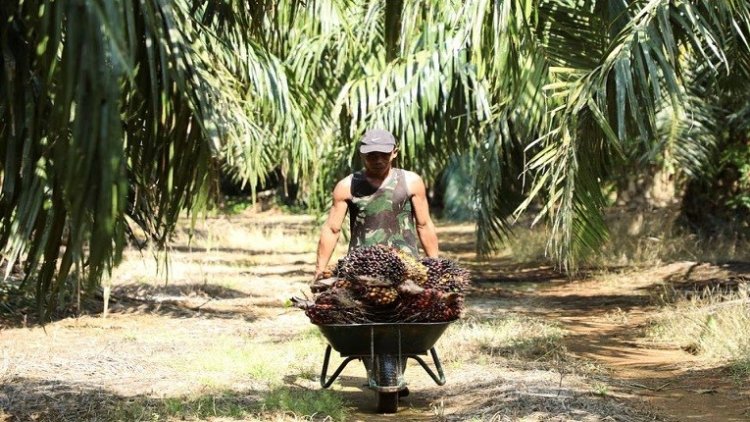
x: 193, y: 290
x: 180, y: 310
x: 509, y: 401
x: 175, y: 301
x: 704, y: 279
x: 241, y: 251
x: 495, y: 398
x: 45, y: 400
x: 53, y: 401
x: 701, y: 394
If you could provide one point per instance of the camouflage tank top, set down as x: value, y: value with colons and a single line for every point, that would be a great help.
x: 383, y: 215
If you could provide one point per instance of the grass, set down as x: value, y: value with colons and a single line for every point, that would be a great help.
x: 740, y: 368
x: 277, y: 404
x: 528, y: 245
x: 235, y: 206
x: 220, y: 234
x: 637, y: 240
x: 507, y: 337
x: 265, y: 362
x: 238, y: 378
x: 713, y: 326
x: 228, y: 405
x: 654, y: 237
x: 282, y: 404
x: 100, y: 407
x: 310, y: 403
x: 600, y: 389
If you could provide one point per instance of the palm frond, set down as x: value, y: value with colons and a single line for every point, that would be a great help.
x: 114, y: 110
x: 642, y: 68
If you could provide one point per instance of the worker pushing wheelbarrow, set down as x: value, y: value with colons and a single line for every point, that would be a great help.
x: 383, y: 306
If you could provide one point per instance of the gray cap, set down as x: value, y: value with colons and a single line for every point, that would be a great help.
x: 379, y: 140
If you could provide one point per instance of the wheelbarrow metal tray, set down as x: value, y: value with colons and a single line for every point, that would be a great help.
x: 383, y: 338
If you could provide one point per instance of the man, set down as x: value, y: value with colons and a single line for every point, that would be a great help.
x: 386, y: 205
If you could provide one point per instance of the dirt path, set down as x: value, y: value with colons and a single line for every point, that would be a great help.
x: 606, y: 322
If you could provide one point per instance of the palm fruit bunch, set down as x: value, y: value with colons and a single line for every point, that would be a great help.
x: 431, y: 305
x: 377, y: 291
x: 334, y: 306
x: 383, y: 284
x: 322, y: 313
x: 374, y: 261
x: 381, y: 295
x: 445, y: 275
x: 373, y: 273
x: 414, y: 270
x: 342, y: 283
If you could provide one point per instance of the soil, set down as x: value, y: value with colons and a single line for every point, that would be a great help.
x: 611, y: 371
x: 606, y: 322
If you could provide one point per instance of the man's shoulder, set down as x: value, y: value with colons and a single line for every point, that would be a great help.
x: 347, y: 180
x: 343, y: 188
x: 411, y: 177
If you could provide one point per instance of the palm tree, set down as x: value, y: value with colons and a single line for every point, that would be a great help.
x: 116, y: 116
x: 636, y: 96
x: 112, y: 116
x: 556, y: 99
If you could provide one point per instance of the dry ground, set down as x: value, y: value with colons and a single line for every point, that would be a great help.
x: 217, y: 342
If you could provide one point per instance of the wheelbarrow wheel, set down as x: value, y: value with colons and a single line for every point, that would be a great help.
x: 387, y: 402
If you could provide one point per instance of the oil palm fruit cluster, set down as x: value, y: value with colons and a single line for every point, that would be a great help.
x: 431, y: 305
x: 445, y: 275
x: 374, y: 261
x: 381, y: 295
x: 384, y: 284
x: 331, y: 307
x: 415, y: 270
x: 329, y: 272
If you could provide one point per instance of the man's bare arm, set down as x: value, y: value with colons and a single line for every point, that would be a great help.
x: 331, y: 230
x: 425, y: 227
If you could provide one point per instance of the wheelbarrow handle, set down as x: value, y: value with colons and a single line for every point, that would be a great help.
x: 440, y: 378
x: 326, y: 382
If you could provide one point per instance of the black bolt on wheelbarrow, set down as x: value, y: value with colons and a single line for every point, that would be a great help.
x: 384, y: 348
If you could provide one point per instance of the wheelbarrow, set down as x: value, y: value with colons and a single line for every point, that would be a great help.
x: 384, y: 348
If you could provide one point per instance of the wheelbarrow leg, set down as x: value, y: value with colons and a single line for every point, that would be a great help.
x: 326, y: 382
x: 440, y: 378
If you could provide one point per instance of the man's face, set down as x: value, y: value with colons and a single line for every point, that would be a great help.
x: 378, y: 161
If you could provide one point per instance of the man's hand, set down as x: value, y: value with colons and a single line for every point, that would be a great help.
x: 318, y: 274
x: 321, y: 283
